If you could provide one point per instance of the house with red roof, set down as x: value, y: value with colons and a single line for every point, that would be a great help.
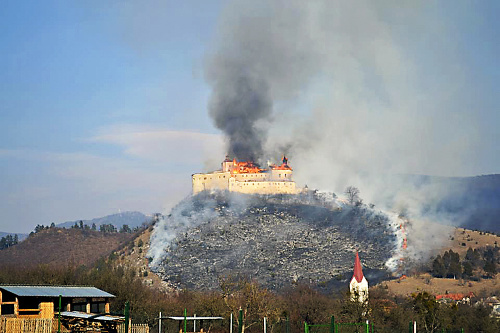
x: 457, y: 298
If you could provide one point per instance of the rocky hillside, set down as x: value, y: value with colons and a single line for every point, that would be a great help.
x: 277, y: 240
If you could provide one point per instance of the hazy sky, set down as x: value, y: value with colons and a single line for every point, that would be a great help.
x: 104, y: 103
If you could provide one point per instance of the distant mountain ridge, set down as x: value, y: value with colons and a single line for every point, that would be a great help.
x: 473, y: 202
x: 477, y: 199
x: 132, y: 219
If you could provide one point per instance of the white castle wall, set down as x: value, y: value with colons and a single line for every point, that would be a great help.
x: 211, y: 181
x: 272, y: 182
x: 262, y: 187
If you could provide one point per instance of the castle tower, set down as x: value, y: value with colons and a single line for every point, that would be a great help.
x: 227, y: 165
x: 358, y: 285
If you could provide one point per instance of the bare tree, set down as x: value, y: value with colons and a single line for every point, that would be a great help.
x: 352, y: 194
x: 255, y: 302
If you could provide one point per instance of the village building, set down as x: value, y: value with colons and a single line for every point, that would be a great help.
x: 358, y: 286
x: 455, y: 298
x: 247, y: 177
x: 493, y: 303
x: 43, y: 301
x: 82, y: 307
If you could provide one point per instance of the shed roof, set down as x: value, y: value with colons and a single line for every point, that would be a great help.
x: 90, y: 316
x: 192, y: 318
x: 55, y: 291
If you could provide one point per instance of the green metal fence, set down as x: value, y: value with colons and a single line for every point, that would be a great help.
x: 334, y: 327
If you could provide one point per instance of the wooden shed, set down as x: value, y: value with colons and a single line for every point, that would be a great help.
x: 28, y: 301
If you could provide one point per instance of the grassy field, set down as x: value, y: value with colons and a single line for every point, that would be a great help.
x: 459, y: 242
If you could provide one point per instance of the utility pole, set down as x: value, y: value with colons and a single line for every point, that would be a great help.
x: 127, y: 316
x: 59, y: 316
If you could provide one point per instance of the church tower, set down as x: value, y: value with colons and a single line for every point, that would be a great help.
x: 358, y: 285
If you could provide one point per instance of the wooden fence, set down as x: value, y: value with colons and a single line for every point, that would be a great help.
x: 22, y: 325
x: 134, y: 328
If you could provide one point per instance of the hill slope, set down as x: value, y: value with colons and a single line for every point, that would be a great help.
x: 459, y: 242
x: 277, y: 240
x: 61, y: 247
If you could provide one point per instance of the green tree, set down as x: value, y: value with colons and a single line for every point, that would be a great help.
x: 490, y: 268
x: 39, y: 227
x: 454, y: 266
x: 8, y: 241
x: 108, y: 228
x: 426, y: 308
x: 468, y: 270
x: 125, y: 228
x: 438, y: 268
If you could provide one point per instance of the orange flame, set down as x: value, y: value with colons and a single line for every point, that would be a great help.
x: 251, y: 167
x: 280, y: 167
x: 245, y: 167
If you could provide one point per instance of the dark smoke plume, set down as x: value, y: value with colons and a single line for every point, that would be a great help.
x: 346, y: 91
x: 262, y: 55
x: 238, y: 102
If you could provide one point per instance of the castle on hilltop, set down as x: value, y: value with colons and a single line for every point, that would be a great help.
x: 247, y: 177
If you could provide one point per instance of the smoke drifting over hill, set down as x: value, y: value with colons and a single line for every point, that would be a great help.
x: 277, y: 239
x: 344, y: 89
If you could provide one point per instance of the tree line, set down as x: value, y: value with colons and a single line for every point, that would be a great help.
x: 286, y: 309
x: 476, y: 264
x: 106, y: 228
x: 8, y: 241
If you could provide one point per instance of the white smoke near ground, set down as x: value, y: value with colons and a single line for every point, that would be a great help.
x: 353, y: 93
x: 189, y: 213
x: 182, y: 217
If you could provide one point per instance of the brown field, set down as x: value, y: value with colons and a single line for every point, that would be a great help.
x: 435, y: 286
x: 459, y: 242
x: 463, y: 239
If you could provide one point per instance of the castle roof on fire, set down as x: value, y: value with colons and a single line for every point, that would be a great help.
x: 247, y: 177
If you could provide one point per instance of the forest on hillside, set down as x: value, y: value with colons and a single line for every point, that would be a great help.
x: 289, y: 307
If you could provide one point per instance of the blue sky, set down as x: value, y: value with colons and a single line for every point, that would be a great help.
x: 104, y: 104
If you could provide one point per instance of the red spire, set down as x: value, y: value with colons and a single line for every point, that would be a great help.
x: 358, y: 271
